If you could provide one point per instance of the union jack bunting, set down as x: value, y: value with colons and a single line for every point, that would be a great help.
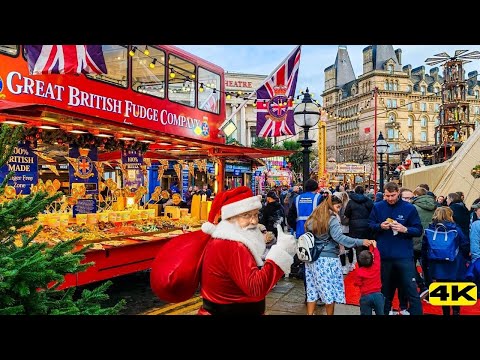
x: 210, y: 103
x: 65, y: 59
x: 275, y: 99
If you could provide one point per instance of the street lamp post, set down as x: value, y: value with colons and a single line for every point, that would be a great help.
x: 306, y: 115
x: 382, y: 148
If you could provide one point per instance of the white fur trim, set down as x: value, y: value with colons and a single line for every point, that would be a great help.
x: 208, y: 228
x: 280, y: 257
x: 227, y: 231
x: 241, y: 206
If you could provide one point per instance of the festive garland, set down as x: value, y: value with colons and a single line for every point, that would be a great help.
x: 59, y: 137
x: 476, y: 172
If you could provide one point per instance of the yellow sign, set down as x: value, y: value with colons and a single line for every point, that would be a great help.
x: 452, y: 293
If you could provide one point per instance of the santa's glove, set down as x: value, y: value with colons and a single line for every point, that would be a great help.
x: 283, y: 251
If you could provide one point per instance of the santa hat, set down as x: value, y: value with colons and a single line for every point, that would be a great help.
x: 230, y: 203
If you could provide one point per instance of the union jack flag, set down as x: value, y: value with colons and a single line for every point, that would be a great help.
x: 275, y: 99
x: 210, y: 103
x: 65, y: 59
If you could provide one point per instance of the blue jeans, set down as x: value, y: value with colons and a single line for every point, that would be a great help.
x: 373, y: 301
x: 401, y: 273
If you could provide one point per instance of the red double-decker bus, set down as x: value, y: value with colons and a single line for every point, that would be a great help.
x: 156, y: 88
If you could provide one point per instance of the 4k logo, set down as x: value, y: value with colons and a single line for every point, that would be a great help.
x: 453, y: 293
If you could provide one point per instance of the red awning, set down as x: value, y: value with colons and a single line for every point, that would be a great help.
x: 5, y: 104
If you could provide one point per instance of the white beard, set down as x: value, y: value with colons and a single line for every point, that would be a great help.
x: 251, y: 237
x: 251, y: 232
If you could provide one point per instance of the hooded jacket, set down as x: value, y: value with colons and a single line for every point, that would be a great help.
x: 357, y: 211
x: 425, y: 206
x: 461, y: 216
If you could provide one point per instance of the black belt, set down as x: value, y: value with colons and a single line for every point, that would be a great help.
x: 250, y: 308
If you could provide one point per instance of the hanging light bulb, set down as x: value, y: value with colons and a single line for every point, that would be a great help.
x: 152, y: 64
x: 201, y: 87
x: 172, y: 73
x: 132, y: 52
x: 146, y: 51
x: 214, y: 90
x: 228, y: 96
x: 192, y: 76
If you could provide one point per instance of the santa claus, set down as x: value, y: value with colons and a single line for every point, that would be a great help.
x: 234, y: 279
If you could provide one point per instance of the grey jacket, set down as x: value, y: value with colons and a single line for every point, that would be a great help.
x: 335, y: 237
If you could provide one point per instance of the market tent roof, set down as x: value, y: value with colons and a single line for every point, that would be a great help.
x: 452, y: 175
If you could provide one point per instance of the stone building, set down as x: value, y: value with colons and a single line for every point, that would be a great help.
x: 408, y: 105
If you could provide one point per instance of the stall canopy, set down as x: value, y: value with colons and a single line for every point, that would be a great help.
x: 161, y: 145
x: 452, y: 175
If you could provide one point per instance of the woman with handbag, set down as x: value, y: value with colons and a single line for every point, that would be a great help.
x: 324, y: 277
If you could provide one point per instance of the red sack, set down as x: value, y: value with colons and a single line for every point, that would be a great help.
x: 175, y: 273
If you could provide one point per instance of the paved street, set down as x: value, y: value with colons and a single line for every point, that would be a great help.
x: 286, y: 298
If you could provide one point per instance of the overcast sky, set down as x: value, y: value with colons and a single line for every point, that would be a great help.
x: 263, y: 59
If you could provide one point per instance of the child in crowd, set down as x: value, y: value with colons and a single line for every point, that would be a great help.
x: 368, y: 280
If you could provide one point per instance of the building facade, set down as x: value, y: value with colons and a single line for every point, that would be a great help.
x: 408, y: 104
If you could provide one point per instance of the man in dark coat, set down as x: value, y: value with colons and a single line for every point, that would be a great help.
x: 272, y: 213
x: 357, y: 211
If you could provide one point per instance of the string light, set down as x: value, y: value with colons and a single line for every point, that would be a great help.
x: 132, y: 52
x: 152, y: 64
x: 146, y: 51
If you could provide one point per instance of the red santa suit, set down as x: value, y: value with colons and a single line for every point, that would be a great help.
x: 225, y: 259
x: 231, y: 270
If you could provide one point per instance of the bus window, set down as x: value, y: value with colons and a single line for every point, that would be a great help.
x: 116, y: 60
x: 209, y: 91
x: 148, y: 71
x: 181, y: 81
x: 11, y: 50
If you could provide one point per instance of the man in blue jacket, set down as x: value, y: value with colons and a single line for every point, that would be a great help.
x: 395, y: 222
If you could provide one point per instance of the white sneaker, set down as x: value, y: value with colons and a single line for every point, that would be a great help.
x: 404, y: 312
x: 393, y: 312
x: 345, y: 270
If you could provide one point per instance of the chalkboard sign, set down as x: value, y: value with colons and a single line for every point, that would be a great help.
x: 85, y: 206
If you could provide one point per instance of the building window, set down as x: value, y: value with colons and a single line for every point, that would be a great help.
x: 477, y: 110
x: 391, y: 117
x: 209, y: 99
x: 410, y: 107
x: 394, y: 103
x: 437, y: 108
x: 435, y: 90
x: 395, y: 86
x: 389, y: 103
x: 390, y: 86
x: 423, y: 90
x: 116, y: 60
x: 423, y: 122
x: 437, y: 121
x: 476, y: 94
x: 410, y: 121
x: 390, y: 133
x: 385, y: 85
x: 423, y: 136
x: 423, y: 106
x: 477, y: 124
x: 390, y: 69
x: 146, y: 79
x: 177, y: 92
x: 253, y: 134
x: 408, y: 88
x: 410, y: 136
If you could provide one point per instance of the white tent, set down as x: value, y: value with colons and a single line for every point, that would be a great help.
x: 452, y: 175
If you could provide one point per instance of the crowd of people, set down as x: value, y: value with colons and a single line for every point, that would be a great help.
x: 394, y: 220
x: 385, y: 236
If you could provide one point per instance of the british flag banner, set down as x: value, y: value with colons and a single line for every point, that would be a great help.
x: 275, y: 99
x: 65, y: 59
x: 210, y: 103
